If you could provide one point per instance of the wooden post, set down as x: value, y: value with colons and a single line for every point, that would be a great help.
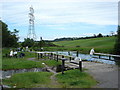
x: 80, y: 65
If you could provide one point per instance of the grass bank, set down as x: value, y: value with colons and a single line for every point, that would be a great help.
x: 29, y: 80
x: 103, y: 45
x: 75, y: 79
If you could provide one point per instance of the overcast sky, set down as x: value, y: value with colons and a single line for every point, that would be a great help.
x: 61, y: 18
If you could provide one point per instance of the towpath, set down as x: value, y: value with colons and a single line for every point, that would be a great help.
x: 105, y: 74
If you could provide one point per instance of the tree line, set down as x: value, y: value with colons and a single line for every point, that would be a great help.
x: 78, y: 38
x: 9, y: 39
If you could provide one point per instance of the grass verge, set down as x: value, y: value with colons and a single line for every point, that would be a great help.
x: 29, y: 80
x: 75, y: 79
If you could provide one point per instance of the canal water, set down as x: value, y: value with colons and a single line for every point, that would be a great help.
x: 104, y: 59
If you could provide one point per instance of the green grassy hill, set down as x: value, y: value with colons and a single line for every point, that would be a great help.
x: 103, y: 45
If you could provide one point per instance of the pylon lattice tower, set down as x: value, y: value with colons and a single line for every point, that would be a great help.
x: 31, y: 30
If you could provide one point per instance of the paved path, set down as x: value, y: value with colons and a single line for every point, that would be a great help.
x: 105, y: 74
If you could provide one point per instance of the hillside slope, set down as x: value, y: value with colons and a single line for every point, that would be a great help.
x: 100, y: 44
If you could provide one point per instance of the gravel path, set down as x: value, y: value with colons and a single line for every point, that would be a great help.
x: 105, y: 74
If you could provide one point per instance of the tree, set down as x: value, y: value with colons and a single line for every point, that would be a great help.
x: 9, y: 39
x: 94, y: 36
x: 112, y: 33
x: 117, y: 44
x: 28, y: 42
x: 99, y: 35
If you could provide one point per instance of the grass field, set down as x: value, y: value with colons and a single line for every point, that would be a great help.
x: 103, y: 45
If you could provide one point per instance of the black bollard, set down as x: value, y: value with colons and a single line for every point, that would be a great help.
x: 70, y: 59
x: 48, y: 56
x: 45, y: 55
x: 2, y: 87
x: 80, y: 65
x: 57, y: 58
x: 99, y: 56
x: 54, y: 56
x: 51, y: 56
x: 41, y: 55
x: 68, y: 52
x: 35, y: 54
x: 63, y: 64
x: 38, y: 55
